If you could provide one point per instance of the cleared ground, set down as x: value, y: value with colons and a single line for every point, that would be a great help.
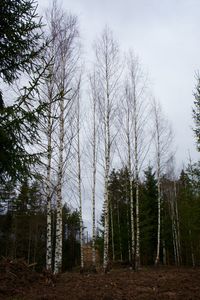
x: 148, y: 283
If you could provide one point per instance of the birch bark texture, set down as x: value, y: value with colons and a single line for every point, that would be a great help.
x: 94, y: 96
x: 48, y: 185
x: 80, y: 180
x: 64, y: 40
x: 128, y: 132
x: 107, y: 68
x: 135, y: 107
x: 162, y: 142
x: 49, y: 97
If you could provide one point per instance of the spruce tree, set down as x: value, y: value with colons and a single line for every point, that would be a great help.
x: 149, y: 215
x: 20, y: 36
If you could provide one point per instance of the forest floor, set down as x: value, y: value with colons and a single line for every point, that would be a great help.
x: 124, y: 284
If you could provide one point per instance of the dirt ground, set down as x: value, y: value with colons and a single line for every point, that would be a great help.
x: 148, y: 283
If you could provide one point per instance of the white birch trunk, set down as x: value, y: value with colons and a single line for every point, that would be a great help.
x: 106, y: 201
x: 79, y: 184
x: 131, y: 191
x: 157, y: 260
x: 94, y: 185
x: 64, y: 40
x: 48, y: 191
x: 106, y: 225
x: 163, y: 139
x: 107, y: 166
x: 108, y: 71
x: 58, y: 246
x: 136, y: 123
x: 137, y: 254
x: 158, y: 128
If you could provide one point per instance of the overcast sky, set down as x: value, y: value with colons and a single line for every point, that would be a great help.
x: 165, y: 34
x: 166, y: 37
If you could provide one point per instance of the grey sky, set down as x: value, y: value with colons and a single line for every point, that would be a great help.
x: 165, y: 35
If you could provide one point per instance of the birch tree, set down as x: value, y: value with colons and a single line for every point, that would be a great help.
x: 48, y: 97
x: 48, y: 179
x: 108, y: 74
x: 162, y: 142
x: 135, y: 106
x: 80, y: 180
x: 94, y: 100
x: 196, y: 112
x: 64, y: 37
x: 128, y: 139
x: 174, y: 212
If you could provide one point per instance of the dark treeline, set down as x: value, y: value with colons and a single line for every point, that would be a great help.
x: 180, y: 215
x: 23, y: 227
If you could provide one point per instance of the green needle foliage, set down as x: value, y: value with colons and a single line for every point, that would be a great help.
x: 149, y: 217
x: 20, y: 51
x: 19, y: 36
